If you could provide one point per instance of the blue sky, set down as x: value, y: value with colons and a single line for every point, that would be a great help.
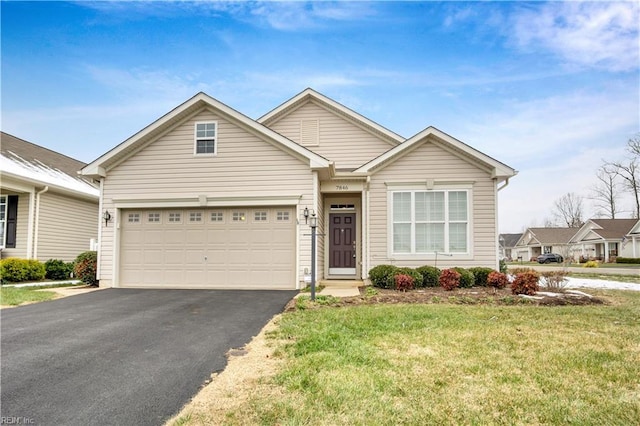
x: 549, y: 88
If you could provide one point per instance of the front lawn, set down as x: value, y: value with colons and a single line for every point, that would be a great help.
x: 13, y: 296
x: 448, y: 364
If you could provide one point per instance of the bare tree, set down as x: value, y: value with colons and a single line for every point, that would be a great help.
x: 629, y: 171
x: 568, y: 210
x: 606, y: 192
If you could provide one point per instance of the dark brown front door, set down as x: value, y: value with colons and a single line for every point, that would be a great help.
x: 342, y: 243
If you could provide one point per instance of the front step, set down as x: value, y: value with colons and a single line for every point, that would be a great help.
x: 342, y: 283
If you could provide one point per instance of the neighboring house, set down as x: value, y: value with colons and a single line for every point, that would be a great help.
x: 606, y: 239
x: 536, y: 241
x: 206, y: 197
x: 46, y: 210
x: 507, y: 245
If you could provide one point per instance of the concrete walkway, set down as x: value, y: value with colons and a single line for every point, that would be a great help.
x: 341, y: 288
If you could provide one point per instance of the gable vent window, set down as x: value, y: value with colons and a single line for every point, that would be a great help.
x: 206, y: 138
x: 310, y: 132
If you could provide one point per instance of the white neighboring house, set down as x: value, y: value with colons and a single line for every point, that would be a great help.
x: 206, y: 197
x: 605, y: 239
x: 47, y: 211
x: 536, y: 241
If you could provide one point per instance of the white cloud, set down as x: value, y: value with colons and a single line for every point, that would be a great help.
x: 602, y: 35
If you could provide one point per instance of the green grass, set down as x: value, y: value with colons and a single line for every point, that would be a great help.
x: 17, y: 295
x: 452, y: 364
x: 593, y: 274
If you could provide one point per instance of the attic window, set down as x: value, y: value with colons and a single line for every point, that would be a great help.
x: 310, y: 132
x: 206, y: 138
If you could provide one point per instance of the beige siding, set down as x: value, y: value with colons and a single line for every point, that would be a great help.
x: 66, y: 226
x: 432, y: 162
x: 340, y: 140
x: 167, y: 169
x: 22, y: 227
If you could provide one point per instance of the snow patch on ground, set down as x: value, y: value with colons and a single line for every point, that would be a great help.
x: 591, y: 283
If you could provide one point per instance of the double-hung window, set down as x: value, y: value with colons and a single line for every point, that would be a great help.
x: 206, y: 138
x: 430, y: 221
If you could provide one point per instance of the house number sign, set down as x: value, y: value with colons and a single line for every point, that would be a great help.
x: 342, y: 187
x: 351, y: 186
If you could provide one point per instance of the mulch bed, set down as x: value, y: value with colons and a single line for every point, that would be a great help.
x: 461, y: 296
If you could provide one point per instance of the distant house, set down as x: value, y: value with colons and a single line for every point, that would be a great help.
x: 46, y: 209
x: 206, y: 197
x: 507, y: 245
x: 536, y: 241
x: 605, y: 239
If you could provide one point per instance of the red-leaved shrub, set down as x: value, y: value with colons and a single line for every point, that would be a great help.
x: 449, y: 279
x: 404, y: 282
x: 525, y: 283
x: 497, y: 280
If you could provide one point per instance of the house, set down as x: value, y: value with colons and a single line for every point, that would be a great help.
x: 507, y: 245
x: 47, y: 211
x: 606, y: 239
x: 206, y: 197
x: 536, y: 241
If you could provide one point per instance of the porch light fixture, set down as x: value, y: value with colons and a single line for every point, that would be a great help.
x: 313, y: 221
x: 107, y: 217
x: 305, y: 213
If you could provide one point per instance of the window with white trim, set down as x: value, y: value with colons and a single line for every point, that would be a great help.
x: 195, y: 216
x: 153, y: 217
x: 3, y: 219
x: 206, y: 138
x: 282, y: 216
x: 238, y: 217
x: 175, y: 217
x: 217, y: 217
x: 260, y: 216
x: 133, y: 217
x: 430, y: 221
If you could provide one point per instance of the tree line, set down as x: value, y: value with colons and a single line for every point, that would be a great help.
x: 614, y: 179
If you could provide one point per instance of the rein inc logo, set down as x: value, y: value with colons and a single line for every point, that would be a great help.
x: 10, y: 420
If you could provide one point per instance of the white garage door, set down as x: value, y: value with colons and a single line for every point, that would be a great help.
x: 208, y: 248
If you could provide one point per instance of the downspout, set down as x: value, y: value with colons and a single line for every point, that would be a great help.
x: 367, y: 257
x: 506, y: 183
x: 37, y: 220
x: 31, y: 223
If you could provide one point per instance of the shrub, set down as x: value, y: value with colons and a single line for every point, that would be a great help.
x: 554, y: 280
x: 516, y: 271
x: 15, y: 270
x: 466, y: 277
x: 58, y: 269
x: 449, y: 279
x: 497, y: 280
x: 632, y: 260
x: 430, y: 276
x: 480, y: 275
x: 85, y: 268
x: 404, y: 282
x: 381, y: 276
x: 415, y: 275
x: 525, y: 283
x: 503, y: 266
x: 590, y: 264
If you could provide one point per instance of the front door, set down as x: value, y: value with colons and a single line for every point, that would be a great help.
x: 342, y: 244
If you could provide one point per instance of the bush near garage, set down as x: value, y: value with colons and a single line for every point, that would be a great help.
x: 16, y: 270
x: 430, y: 276
x: 86, y: 266
x: 58, y: 269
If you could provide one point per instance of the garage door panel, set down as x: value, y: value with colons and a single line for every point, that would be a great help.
x: 208, y: 254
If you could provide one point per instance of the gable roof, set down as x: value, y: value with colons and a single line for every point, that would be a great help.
x: 605, y: 229
x: 310, y: 95
x: 547, y: 236
x: 510, y: 240
x: 27, y: 162
x: 185, y: 110
x: 498, y: 170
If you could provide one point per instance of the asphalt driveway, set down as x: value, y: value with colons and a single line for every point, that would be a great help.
x: 122, y: 356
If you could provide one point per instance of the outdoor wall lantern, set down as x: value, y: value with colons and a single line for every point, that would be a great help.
x: 305, y: 213
x: 107, y: 217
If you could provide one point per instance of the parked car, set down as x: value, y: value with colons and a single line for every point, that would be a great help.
x: 550, y: 257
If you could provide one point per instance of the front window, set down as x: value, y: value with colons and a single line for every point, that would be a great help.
x: 430, y: 221
x: 206, y: 138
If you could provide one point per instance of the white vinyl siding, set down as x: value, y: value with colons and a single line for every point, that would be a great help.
x: 429, y: 221
x: 431, y: 162
x: 338, y: 139
x: 66, y: 226
x: 245, y: 167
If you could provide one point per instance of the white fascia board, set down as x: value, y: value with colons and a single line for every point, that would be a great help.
x: 193, y: 202
x: 584, y: 231
x: 635, y: 229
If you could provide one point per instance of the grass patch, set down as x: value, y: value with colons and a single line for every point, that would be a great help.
x: 454, y: 364
x: 307, y: 289
x: 14, y: 296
